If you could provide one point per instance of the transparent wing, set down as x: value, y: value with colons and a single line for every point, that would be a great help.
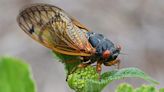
x: 55, y: 29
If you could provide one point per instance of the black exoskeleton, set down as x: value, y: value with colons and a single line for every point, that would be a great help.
x: 103, y: 44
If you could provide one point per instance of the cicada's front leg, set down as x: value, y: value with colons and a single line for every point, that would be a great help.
x: 84, y: 63
x: 98, y: 69
x: 114, y: 62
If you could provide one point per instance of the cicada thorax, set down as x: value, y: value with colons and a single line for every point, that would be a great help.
x: 106, y: 51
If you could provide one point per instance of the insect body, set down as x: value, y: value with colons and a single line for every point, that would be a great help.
x: 57, y: 30
x: 106, y: 53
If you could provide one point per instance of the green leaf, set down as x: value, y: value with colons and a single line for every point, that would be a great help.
x: 146, y: 88
x: 95, y: 85
x: 78, y: 79
x: 127, y: 72
x: 69, y: 66
x: 161, y: 90
x: 110, y: 76
x: 15, y: 76
x: 124, y: 88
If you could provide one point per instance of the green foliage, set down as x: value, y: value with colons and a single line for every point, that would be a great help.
x: 124, y: 88
x: 15, y: 76
x: 86, y: 79
x: 161, y: 90
x: 144, y: 88
x: 81, y: 82
x: 78, y: 79
x: 69, y: 66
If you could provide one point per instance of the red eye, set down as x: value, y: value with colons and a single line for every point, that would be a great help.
x: 106, y: 54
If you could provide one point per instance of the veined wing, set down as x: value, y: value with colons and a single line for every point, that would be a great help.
x: 55, y: 29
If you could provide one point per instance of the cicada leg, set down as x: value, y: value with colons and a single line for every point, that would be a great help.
x: 81, y: 65
x: 98, y: 69
x: 114, y: 62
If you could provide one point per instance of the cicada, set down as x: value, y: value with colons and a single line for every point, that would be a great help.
x: 57, y: 30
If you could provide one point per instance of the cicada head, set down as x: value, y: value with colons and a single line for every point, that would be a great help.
x: 111, y: 54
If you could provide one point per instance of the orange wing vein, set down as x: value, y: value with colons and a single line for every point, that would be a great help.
x: 55, y: 29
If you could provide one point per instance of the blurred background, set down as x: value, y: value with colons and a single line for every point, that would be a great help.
x: 137, y: 25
